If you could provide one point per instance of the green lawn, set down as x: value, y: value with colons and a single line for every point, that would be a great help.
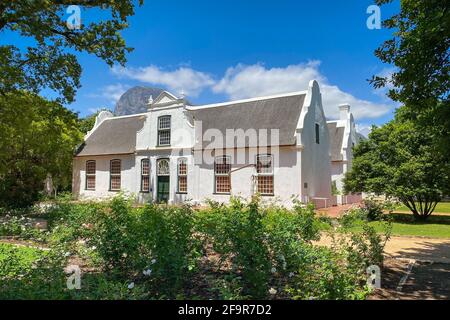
x: 404, y: 225
x: 442, y: 207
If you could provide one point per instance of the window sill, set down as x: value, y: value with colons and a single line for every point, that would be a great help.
x: 181, y: 193
x: 222, y: 193
x: 114, y: 190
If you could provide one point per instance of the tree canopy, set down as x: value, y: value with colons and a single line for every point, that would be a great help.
x: 38, y: 138
x: 49, y: 61
x: 419, y: 51
x: 400, y: 161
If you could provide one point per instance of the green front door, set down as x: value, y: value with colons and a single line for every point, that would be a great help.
x: 163, y: 189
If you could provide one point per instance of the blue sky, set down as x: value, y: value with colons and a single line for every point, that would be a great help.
x: 221, y: 50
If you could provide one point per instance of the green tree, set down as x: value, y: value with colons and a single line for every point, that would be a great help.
x: 400, y: 161
x: 38, y: 138
x: 419, y: 50
x: 49, y: 61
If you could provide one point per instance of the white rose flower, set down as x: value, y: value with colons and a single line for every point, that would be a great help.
x: 272, y: 291
x: 131, y: 286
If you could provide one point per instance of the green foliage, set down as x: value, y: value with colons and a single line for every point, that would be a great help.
x: 37, y: 138
x: 401, y: 161
x: 237, y: 234
x: 324, y: 274
x: 419, y: 50
x: 50, y: 61
x: 239, y: 251
x: 115, y: 237
x: 16, y: 261
x: 169, y: 247
x: 45, y: 279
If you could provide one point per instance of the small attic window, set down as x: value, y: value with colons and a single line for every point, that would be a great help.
x: 317, y: 133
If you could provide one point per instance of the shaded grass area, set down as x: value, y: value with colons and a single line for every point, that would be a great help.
x: 15, y: 260
x: 403, y: 224
x: 442, y: 207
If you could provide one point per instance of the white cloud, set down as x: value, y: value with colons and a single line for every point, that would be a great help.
x: 185, y: 79
x: 246, y: 81
x: 111, y: 92
x: 256, y: 80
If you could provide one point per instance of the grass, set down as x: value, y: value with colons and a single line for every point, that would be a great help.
x: 16, y: 260
x: 404, y: 225
x: 442, y: 207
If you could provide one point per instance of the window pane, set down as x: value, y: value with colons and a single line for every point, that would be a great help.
x: 182, y: 167
x: 145, y: 167
x: 317, y: 133
x: 164, y: 137
x: 264, y: 164
x: 90, y: 182
x: 265, y: 184
x: 163, y: 167
x: 182, y: 184
x: 222, y: 165
x: 115, y: 167
x: 145, y: 184
x: 90, y: 167
x: 115, y: 183
x: 223, y: 184
x: 164, y: 122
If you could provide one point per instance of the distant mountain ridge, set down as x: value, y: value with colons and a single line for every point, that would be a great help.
x: 135, y: 100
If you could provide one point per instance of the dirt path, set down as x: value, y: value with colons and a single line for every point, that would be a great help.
x: 420, y: 249
x: 414, y: 268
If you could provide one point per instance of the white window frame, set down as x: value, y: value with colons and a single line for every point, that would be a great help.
x: 164, y: 129
x: 88, y: 175
x: 227, y: 161
x: 145, y: 175
x: 184, y: 175
x: 265, y: 174
x: 111, y: 175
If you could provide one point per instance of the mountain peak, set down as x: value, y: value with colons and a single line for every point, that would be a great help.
x: 135, y: 100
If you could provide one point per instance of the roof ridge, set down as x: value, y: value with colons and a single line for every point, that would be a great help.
x: 223, y: 104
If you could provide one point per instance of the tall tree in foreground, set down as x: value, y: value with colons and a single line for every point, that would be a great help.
x: 400, y: 161
x: 38, y: 138
x: 419, y: 50
x: 49, y: 60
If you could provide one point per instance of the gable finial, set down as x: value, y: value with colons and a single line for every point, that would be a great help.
x: 150, y: 100
x: 182, y: 94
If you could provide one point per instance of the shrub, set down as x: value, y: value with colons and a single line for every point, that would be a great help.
x: 115, y: 237
x: 169, y: 247
x: 237, y: 233
x: 325, y: 274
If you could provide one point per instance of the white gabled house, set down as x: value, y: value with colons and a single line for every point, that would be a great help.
x: 343, y: 137
x: 277, y: 146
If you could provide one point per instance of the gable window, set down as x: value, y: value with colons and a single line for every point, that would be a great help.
x: 164, y: 126
x: 182, y: 175
x: 264, y: 172
x: 115, y: 175
x: 317, y: 133
x: 222, y: 169
x: 145, y: 175
x: 90, y: 175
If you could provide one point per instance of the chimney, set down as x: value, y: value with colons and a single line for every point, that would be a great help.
x: 344, y: 111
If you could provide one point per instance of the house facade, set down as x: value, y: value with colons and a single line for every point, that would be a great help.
x: 276, y: 146
x: 343, y: 137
